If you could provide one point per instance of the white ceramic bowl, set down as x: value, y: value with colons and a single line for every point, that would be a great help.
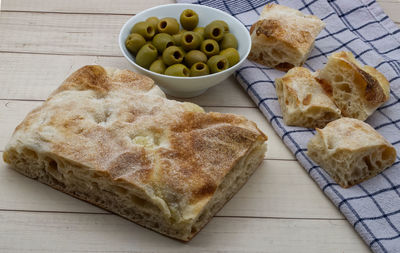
x: 188, y: 86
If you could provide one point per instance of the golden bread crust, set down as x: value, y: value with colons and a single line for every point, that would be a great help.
x: 283, y: 37
x: 345, y: 79
x: 119, y: 127
x: 302, y: 100
x: 351, y: 151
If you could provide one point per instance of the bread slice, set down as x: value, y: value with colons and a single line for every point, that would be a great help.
x: 110, y: 137
x: 351, y: 151
x: 357, y: 90
x: 303, y: 102
x: 283, y: 37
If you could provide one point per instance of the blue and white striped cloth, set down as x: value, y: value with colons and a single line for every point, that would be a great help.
x: 361, y: 27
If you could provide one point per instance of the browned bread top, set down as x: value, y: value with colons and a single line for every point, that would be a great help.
x: 288, y: 26
x: 351, y: 151
x: 120, y: 125
x: 357, y: 90
x: 283, y: 37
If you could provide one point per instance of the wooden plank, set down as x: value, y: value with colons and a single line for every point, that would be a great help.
x: 51, y: 33
x: 262, y: 196
x: 13, y: 112
x: 119, y: 6
x: 281, y: 189
x: 60, y: 232
x: 36, y: 78
x: 88, y: 6
x: 76, y: 34
x: 391, y: 8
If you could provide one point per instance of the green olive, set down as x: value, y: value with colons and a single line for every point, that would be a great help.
x: 134, y: 42
x: 146, y: 55
x: 189, y: 19
x: 190, y: 40
x: 163, y: 40
x: 177, y: 70
x: 177, y: 39
x: 158, y: 66
x: 223, y: 23
x: 232, y: 55
x: 200, y: 31
x: 172, y: 55
x: 149, y: 42
x: 144, y: 29
x: 209, y: 47
x: 217, y: 63
x: 229, y: 40
x: 168, y: 25
x: 182, y: 50
x: 199, y: 69
x: 153, y: 21
x: 214, y: 31
x: 194, y: 56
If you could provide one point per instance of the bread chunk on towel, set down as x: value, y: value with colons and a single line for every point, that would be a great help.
x: 357, y: 90
x: 110, y: 137
x: 303, y: 101
x: 351, y: 151
x: 283, y: 37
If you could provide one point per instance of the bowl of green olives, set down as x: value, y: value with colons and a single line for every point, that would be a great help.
x: 185, y: 48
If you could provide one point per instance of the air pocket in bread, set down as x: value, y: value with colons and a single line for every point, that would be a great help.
x: 302, y: 100
x: 110, y: 137
x: 355, y: 89
x: 351, y: 151
x: 283, y: 37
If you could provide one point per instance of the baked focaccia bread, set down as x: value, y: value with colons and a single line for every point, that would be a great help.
x: 351, y: 151
x: 110, y: 137
x: 302, y: 100
x: 283, y: 37
x: 357, y: 90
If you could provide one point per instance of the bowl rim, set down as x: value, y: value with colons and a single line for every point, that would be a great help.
x: 122, y: 44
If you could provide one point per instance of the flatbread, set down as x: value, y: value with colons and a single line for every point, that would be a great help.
x: 355, y: 89
x: 303, y: 101
x: 351, y: 151
x: 283, y: 37
x: 110, y: 137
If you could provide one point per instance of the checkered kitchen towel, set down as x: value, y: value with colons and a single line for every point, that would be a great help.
x: 359, y: 26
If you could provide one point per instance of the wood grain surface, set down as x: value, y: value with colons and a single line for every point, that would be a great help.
x: 280, y: 209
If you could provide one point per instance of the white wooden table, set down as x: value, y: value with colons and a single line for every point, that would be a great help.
x: 280, y: 209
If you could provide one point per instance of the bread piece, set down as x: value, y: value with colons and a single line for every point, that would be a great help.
x: 357, y: 90
x: 303, y: 102
x: 283, y: 37
x: 110, y: 137
x: 351, y: 151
